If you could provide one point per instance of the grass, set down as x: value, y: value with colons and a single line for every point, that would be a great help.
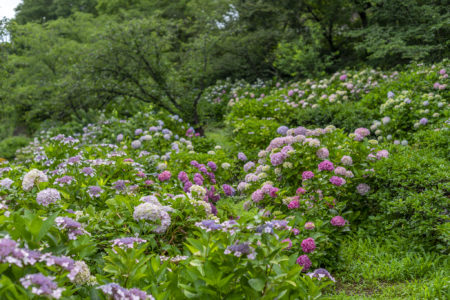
x: 221, y: 137
x: 388, y: 269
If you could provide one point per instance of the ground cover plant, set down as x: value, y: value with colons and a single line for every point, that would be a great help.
x: 328, y: 188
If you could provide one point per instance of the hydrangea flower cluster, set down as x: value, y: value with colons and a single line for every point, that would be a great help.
x: 73, y: 227
x: 155, y: 213
x: 117, y: 292
x: 48, y: 196
x: 42, y: 285
x: 33, y: 177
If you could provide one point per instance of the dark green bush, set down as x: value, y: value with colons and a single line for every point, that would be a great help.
x: 9, y: 146
x: 346, y: 116
x: 437, y: 142
x: 411, y: 197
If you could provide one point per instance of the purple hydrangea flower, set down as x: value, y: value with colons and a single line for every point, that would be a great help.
x: 88, y: 171
x: 183, y: 177
x: 423, y: 121
x: 94, y: 191
x: 73, y: 227
x: 212, y: 165
x: 228, y: 190
x: 282, y: 130
x: 321, y: 273
x: 127, y: 242
x: 42, y: 285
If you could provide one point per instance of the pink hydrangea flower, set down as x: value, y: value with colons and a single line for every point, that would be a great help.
x: 257, y: 195
x: 164, y: 176
x: 382, y: 154
x: 307, y: 175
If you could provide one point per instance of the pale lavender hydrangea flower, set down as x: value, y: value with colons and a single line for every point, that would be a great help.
x: 346, y: 160
x: 322, y: 153
x: 88, y: 171
x: 321, y: 273
x: 363, y: 188
x: 136, y: 144
x: 239, y: 249
x: 6, y: 183
x: 116, y: 292
x: 48, y: 196
x: 242, y: 156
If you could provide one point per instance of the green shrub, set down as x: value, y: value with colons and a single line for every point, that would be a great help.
x: 345, y: 116
x: 437, y: 142
x: 9, y: 146
x: 411, y: 197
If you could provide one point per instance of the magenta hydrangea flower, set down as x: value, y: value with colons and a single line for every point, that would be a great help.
x: 308, y: 245
x: 338, y: 221
x: 307, y: 175
x: 343, y: 77
x: 164, y: 176
x: 294, y: 204
x: 336, y: 180
x: 304, y: 261
x: 326, y: 165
